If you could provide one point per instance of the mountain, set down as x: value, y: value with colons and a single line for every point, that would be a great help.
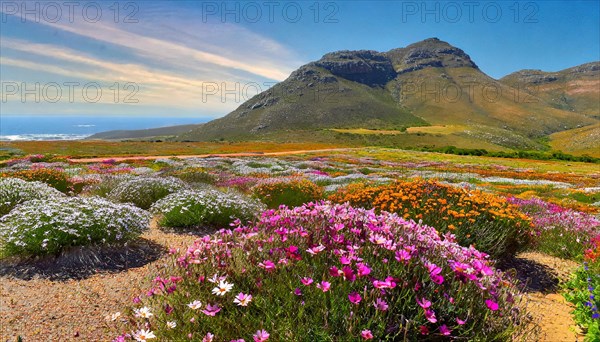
x: 575, y: 89
x: 430, y: 86
x: 144, y: 133
x: 429, y: 93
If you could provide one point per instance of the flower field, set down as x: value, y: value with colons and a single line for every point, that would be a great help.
x: 344, y: 246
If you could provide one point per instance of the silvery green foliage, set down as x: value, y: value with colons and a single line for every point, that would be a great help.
x: 205, y: 207
x: 142, y: 171
x: 104, y: 184
x: 144, y: 191
x: 50, y: 226
x: 14, y: 191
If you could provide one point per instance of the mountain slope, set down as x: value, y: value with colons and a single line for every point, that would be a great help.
x: 575, y: 89
x: 144, y: 133
x: 426, y: 83
x: 344, y: 89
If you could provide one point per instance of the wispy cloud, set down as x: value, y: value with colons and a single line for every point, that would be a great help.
x: 170, y: 59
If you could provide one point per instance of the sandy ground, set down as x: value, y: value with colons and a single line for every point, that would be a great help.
x: 44, y: 309
x: 548, y: 307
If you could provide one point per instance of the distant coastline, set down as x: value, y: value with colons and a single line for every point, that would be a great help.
x: 52, y: 128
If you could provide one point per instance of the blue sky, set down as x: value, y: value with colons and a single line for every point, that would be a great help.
x: 204, y: 58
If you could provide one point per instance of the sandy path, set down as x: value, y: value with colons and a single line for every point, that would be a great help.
x: 75, y: 310
x: 548, y: 307
x: 243, y: 154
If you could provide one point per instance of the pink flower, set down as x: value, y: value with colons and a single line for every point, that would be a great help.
x: 378, y: 239
x: 380, y: 304
x: 424, y: 331
x: 363, y: 270
x: 430, y: 315
x: 434, y: 273
x: 354, y: 298
x: 424, y: 303
x: 403, y: 255
x: 388, y: 283
x: 324, y: 286
x: 298, y: 292
x: 242, y: 299
x: 208, y: 338
x: 316, y: 249
x: 211, y: 310
x: 261, y: 336
x: 460, y: 321
x: 345, y: 261
x: 306, y: 281
x: 335, y: 272
x: 491, y: 304
x: 366, y: 334
x: 267, y: 265
x: 348, y: 273
x: 444, y: 330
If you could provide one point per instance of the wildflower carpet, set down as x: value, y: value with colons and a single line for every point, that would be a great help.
x: 348, y: 245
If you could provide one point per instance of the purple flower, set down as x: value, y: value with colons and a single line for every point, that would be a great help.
x: 444, y: 330
x: 211, y: 310
x: 354, y: 298
x: 491, y: 304
x: 424, y: 303
x: 380, y: 304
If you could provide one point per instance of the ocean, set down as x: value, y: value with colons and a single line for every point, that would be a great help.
x: 13, y: 128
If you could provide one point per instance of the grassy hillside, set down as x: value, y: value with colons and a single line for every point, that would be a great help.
x: 575, y: 89
x: 578, y: 141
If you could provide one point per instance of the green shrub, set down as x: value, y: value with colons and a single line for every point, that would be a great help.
x: 195, y: 175
x: 106, y: 184
x: 583, y: 291
x: 284, y: 191
x: 55, y: 178
x: 143, y: 191
x: 208, y: 207
x: 14, y: 191
x: 40, y: 227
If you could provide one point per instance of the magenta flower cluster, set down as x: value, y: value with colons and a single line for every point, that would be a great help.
x: 378, y: 264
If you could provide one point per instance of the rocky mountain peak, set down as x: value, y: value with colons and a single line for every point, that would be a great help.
x: 364, y: 66
x: 430, y: 52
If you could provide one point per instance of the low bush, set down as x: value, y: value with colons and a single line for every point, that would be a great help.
x: 325, y: 272
x: 105, y: 183
x: 15, y: 191
x: 560, y: 232
x: 287, y: 191
x: 583, y: 291
x: 40, y: 227
x: 206, y: 207
x: 195, y: 175
x: 486, y: 221
x: 55, y: 178
x: 144, y: 191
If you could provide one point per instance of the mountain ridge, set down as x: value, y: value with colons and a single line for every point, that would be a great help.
x: 428, y: 83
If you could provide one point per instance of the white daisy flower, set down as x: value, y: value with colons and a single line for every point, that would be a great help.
x: 195, y: 305
x: 222, y: 288
x: 143, y: 335
x: 143, y: 312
